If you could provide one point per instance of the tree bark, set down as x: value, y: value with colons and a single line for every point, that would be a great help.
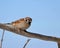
x: 29, y: 34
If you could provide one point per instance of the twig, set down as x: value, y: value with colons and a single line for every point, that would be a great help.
x: 0, y: 43
x: 26, y: 43
x: 58, y: 44
x: 2, y: 37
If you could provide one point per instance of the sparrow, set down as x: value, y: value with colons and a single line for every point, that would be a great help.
x: 23, y: 23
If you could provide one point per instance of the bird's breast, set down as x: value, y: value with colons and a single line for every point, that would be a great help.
x: 23, y: 25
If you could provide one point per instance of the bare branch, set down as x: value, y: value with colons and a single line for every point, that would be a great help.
x: 29, y: 34
x: 0, y: 43
x: 2, y: 37
x: 26, y: 43
x: 58, y: 44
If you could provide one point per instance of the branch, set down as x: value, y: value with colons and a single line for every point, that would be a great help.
x: 0, y: 43
x: 26, y: 43
x: 2, y: 38
x: 29, y: 34
x: 58, y: 44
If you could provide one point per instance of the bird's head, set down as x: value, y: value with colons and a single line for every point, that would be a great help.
x: 28, y: 20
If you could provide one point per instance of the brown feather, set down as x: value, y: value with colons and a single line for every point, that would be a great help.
x: 17, y: 21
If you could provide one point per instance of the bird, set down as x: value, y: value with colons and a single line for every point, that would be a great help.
x: 22, y: 23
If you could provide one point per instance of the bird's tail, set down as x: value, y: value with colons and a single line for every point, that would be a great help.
x: 8, y: 24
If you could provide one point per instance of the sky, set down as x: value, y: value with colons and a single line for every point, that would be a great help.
x: 45, y: 16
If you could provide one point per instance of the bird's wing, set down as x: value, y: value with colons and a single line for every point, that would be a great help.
x: 17, y: 21
x: 14, y: 22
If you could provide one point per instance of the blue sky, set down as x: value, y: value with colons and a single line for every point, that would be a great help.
x: 46, y: 21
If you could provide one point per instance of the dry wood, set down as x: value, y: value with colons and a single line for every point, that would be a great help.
x: 2, y: 38
x: 26, y: 43
x: 58, y: 44
x: 29, y: 34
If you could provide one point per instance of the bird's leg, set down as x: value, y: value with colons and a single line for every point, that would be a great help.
x: 19, y: 30
x: 25, y: 30
x: 14, y: 28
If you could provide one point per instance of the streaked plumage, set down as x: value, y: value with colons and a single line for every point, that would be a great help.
x: 23, y: 23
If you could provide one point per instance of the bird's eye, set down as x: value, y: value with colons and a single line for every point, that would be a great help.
x: 26, y: 20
